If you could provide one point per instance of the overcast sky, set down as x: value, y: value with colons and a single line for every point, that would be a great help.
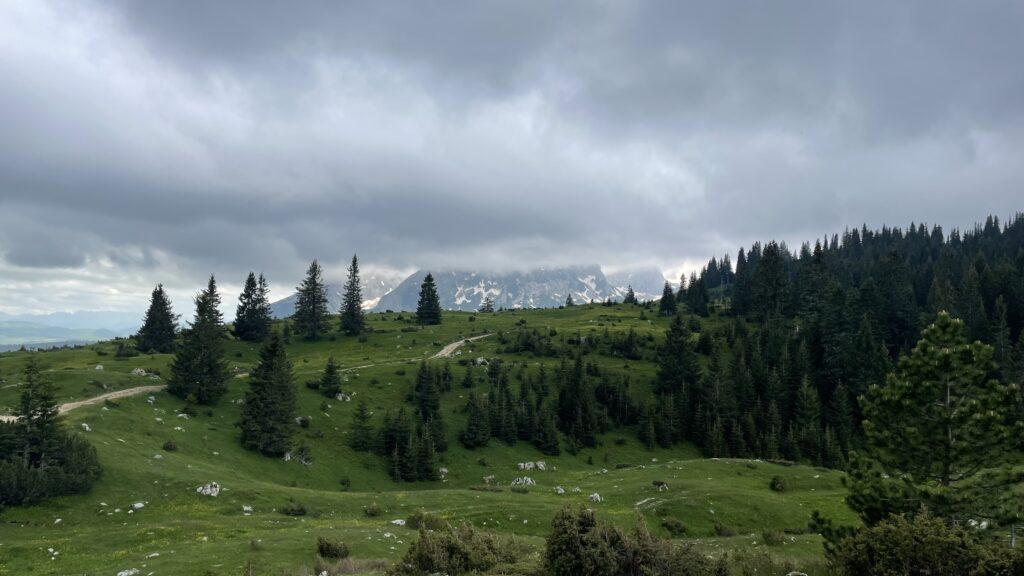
x: 145, y: 142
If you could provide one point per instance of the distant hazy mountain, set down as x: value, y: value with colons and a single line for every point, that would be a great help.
x: 541, y: 288
x: 373, y: 288
x: 42, y: 330
x: 648, y: 283
x: 16, y: 333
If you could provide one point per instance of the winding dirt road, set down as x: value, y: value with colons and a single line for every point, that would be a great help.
x: 445, y: 352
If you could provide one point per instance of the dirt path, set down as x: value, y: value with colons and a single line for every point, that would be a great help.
x: 96, y: 399
x: 445, y: 352
x: 450, y: 349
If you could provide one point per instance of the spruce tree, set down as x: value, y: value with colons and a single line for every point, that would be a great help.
x: 310, y: 316
x: 630, y: 297
x: 545, y: 437
x: 938, y: 423
x: 268, y: 414
x: 159, y: 326
x: 39, y: 430
x: 568, y: 301
x: 330, y: 381
x: 352, y: 320
x: 468, y: 379
x: 252, y: 316
x: 428, y: 309
x: 487, y: 305
x: 667, y: 306
x: 199, y: 372
x: 425, y: 393
x: 478, y: 429
x: 360, y: 436
x: 678, y: 366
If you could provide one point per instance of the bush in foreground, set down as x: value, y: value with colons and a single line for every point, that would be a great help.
x: 923, y: 545
x: 455, y: 551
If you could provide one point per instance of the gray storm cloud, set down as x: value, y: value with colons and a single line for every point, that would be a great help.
x: 160, y: 142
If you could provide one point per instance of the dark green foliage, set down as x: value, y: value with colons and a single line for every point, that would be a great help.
x: 310, y: 316
x: 252, y: 317
x: 199, y: 372
x: 409, y: 447
x: 577, y: 414
x: 361, y: 435
x: 674, y: 526
x: 667, y: 305
x: 293, y: 508
x: 330, y: 381
x: 478, y: 429
x: 678, y: 367
x: 331, y: 549
x: 352, y: 320
x: 568, y: 301
x: 159, y: 326
x: 545, y: 438
x: 38, y: 457
x: 171, y: 446
x: 777, y: 484
x: 630, y: 297
x: 919, y: 546
x: 939, y: 421
x: 461, y: 550
x: 581, y: 544
x: 428, y: 309
x: 268, y: 414
x: 423, y: 519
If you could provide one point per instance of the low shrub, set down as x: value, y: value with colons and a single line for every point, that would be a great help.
x: 293, y: 508
x: 674, y: 526
x: 456, y: 551
x: 772, y: 537
x: 777, y: 484
x: 423, y: 519
x: 372, y: 511
x: 333, y: 549
x: 723, y: 530
x: 171, y: 446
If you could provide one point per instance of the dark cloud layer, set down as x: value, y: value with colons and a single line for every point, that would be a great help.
x: 162, y: 141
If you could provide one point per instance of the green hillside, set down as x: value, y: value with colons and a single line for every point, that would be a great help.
x: 178, y: 531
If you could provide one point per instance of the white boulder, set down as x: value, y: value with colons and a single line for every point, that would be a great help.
x: 211, y: 489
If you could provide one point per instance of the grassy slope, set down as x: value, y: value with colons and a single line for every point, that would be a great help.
x: 194, y: 534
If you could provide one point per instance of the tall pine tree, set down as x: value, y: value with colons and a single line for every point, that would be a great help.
x: 199, y: 372
x: 667, y: 306
x: 428, y: 309
x: 311, y: 304
x: 352, y: 320
x: 268, y: 414
x: 159, y: 326
x: 252, y: 316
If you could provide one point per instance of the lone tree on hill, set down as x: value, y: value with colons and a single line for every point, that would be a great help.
x: 630, y: 297
x: 487, y: 306
x: 159, y: 327
x: 936, y: 430
x: 311, y: 304
x: 268, y: 415
x: 199, y: 372
x: 352, y: 320
x: 568, y: 301
x: 252, y: 317
x: 428, y: 309
x: 330, y: 382
x: 667, y: 306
